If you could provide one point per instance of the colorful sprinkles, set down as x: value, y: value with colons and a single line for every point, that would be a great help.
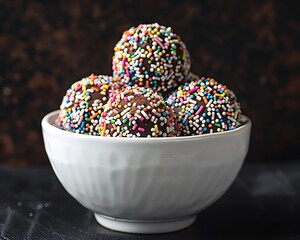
x: 202, y: 105
x: 83, y: 104
x: 150, y: 94
x: 151, y: 55
x: 137, y: 112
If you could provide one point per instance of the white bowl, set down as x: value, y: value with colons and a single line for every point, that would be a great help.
x: 146, y: 185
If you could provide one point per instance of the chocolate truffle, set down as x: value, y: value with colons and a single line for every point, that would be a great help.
x: 83, y: 104
x: 151, y: 55
x: 137, y: 112
x: 203, y: 105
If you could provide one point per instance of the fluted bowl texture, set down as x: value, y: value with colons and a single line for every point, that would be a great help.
x: 146, y: 178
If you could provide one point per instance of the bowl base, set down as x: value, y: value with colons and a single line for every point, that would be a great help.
x: 145, y: 226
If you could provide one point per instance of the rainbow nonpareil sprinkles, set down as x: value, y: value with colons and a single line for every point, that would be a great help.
x: 151, y: 55
x: 83, y: 104
x: 150, y: 94
x: 202, y: 105
x: 137, y: 112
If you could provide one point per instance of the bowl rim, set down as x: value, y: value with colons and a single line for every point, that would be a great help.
x: 47, y: 125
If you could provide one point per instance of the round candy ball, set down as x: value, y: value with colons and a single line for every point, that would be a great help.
x: 203, y: 105
x: 137, y: 112
x: 83, y: 104
x: 151, y: 55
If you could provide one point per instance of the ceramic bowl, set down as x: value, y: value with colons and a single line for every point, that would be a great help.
x: 146, y: 185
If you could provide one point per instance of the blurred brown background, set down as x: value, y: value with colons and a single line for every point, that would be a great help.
x: 251, y: 46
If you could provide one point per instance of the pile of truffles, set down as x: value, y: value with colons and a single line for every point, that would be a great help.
x: 151, y: 93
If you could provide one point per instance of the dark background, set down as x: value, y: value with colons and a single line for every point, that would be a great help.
x: 251, y: 46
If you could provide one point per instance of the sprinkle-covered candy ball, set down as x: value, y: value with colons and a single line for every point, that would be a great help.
x: 151, y: 55
x: 83, y: 104
x: 203, y: 105
x: 137, y: 112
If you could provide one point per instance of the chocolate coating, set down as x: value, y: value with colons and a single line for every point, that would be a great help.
x: 83, y: 104
x: 151, y: 55
x: 137, y: 112
x: 202, y: 105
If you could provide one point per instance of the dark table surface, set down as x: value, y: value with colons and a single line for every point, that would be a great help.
x: 263, y: 203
